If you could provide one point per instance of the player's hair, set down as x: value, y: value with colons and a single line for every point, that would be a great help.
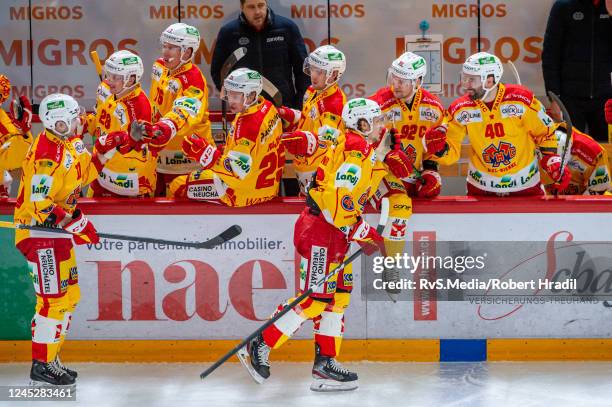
x: 242, y: 2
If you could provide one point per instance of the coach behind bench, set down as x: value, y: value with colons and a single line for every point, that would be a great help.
x: 275, y: 48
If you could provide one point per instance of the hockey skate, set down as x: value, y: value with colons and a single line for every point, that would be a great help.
x: 392, y: 275
x: 329, y: 375
x: 58, y: 363
x: 48, y: 374
x: 254, y: 356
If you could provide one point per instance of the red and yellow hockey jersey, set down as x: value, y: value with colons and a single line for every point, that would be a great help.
x: 250, y: 169
x: 322, y: 116
x: 411, y: 122
x: 54, y: 171
x: 503, y: 138
x: 588, y: 165
x: 346, y: 179
x: 13, y: 145
x: 132, y: 174
x: 181, y: 96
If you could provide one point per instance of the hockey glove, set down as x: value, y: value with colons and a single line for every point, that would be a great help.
x: 159, y: 134
x: 551, y: 164
x: 367, y: 237
x: 290, y: 117
x: 199, y: 150
x: 435, y: 139
x: 609, y: 111
x: 430, y: 185
x: 82, y: 229
x: 21, y: 114
x: 302, y: 143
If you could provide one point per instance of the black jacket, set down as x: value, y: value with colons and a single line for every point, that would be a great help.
x: 577, y: 52
x: 277, y: 52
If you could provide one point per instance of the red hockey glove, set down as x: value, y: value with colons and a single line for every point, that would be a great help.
x: 399, y: 164
x: 551, y: 164
x: 367, y: 237
x: 430, y: 186
x: 300, y: 143
x: 82, y: 229
x: 290, y: 117
x: 435, y: 139
x: 609, y: 111
x: 159, y: 134
x: 199, y: 150
x: 21, y: 114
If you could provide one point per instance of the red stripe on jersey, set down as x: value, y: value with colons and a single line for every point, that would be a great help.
x: 463, y: 101
x: 518, y: 93
x: 332, y: 103
x: 431, y: 99
x: 47, y: 149
x: 384, y: 97
x: 192, y: 77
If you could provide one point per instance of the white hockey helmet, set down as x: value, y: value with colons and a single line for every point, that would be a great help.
x: 409, y: 66
x: 125, y: 64
x: 182, y: 35
x: 358, y: 109
x: 329, y: 59
x: 59, y: 107
x: 484, y: 65
x: 245, y: 81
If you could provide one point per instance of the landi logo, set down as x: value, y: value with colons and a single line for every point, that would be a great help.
x: 342, y: 10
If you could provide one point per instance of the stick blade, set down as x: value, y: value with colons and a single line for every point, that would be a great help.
x: 225, y: 236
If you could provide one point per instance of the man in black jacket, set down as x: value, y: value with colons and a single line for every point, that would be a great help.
x: 577, y: 62
x: 275, y: 48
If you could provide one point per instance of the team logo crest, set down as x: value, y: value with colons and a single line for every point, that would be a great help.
x: 497, y: 156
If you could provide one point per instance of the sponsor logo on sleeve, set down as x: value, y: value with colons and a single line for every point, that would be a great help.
x: 347, y: 176
x: 40, y: 187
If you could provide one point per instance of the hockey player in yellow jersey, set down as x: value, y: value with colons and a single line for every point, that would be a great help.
x: 120, y: 102
x: 179, y: 97
x: 54, y: 171
x: 505, y: 125
x: 249, y: 169
x: 15, y: 136
x: 410, y: 110
x: 320, y: 121
x: 587, y: 161
x: 346, y: 179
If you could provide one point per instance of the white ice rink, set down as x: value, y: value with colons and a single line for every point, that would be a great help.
x: 381, y: 384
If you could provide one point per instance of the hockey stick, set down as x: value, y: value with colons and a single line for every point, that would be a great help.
x: 568, y: 131
x: 96, y: 60
x: 384, y: 214
x: 273, y: 92
x: 226, y: 235
x: 226, y: 68
x: 514, y: 72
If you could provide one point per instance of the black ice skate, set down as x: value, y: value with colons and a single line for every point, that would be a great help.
x: 58, y: 363
x: 254, y: 356
x: 329, y: 375
x: 48, y: 374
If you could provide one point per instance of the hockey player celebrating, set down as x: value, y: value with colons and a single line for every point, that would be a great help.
x: 121, y: 101
x: 313, y: 130
x: 588, y: 165
x: 347, y: 177
x: 249, y: 169
x: 54, y: 171
x: 505, y: 125
x: 15, y: 137
x: 179, y: 96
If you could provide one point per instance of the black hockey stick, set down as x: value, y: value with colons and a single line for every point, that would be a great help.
x: 226, y: 235
x: 226, y: 68
x: 384, y: 214
x: 568, y: 131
